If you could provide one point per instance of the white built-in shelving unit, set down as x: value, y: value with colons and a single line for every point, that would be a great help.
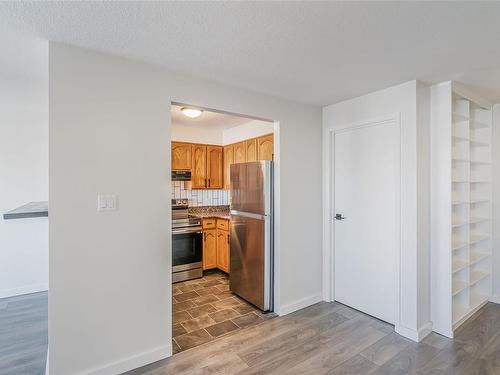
x: 461, y: 208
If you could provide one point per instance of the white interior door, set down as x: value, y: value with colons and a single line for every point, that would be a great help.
x: 366, y: 192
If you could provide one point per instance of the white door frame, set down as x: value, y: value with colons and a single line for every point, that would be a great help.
x: 329, y: 207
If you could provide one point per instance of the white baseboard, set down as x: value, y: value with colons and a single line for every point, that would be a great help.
x: 133, y: 362
x: 495, y: 298
x: 415, y: 335
x: 300, y: 304
x: 23, y: 290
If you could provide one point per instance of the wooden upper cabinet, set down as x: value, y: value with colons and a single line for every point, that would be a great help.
x: 265, y: 147
x: 181, y: 156
x: 215, y: 172
x: 251, y: 147
x: 228, y: 160
x: 199, y: 167
x: 240, y: 152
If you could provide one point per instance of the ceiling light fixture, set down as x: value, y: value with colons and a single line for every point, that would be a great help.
x: 191, y: 112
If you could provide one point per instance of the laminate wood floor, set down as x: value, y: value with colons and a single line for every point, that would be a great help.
x: 23, y: 334
x: 330, y: 338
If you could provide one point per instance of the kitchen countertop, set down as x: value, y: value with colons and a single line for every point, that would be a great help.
x: 31, y: 209
x: 207, y: 212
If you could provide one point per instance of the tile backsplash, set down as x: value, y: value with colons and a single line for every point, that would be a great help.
x: 199, y: 197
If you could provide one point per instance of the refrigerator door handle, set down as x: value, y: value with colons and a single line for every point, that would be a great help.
x: 249, y: 214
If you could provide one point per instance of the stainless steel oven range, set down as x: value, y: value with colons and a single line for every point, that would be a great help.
x: 187, y: 243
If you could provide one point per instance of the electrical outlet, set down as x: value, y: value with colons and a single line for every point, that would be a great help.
x: 107, y: 202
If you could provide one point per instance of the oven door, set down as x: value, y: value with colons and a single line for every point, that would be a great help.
x: 187, y: 245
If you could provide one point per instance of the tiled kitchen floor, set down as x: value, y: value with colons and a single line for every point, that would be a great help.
x: 205, y: 309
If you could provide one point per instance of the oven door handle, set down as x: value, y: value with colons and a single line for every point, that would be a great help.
x: 188, y: 225
x: 187, y: 231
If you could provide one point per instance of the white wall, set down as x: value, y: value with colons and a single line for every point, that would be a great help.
x: 220, y: 136
x: 23, y: 163
x: 110, y: 300
x: 251, y: 129
x: 403, y: 100
x: 197, y: 134
x: 496, y: 203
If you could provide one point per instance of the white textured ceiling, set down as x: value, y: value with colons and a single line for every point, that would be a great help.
x: 313, y: 52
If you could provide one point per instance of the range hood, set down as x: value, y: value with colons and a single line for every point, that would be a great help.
x: 181, y: 175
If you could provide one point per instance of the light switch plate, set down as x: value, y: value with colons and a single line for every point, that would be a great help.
x: 107, y: 202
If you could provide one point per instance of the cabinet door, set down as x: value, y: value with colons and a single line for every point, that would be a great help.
x: 215, y: 174
x: 265, y: 147
x: 181, y: 156
x: 240, y: 152
x: 228, y: 160
x: 223, y: 250
x: 251, y: 147
x: 199, y: 171
x: 209, y: 249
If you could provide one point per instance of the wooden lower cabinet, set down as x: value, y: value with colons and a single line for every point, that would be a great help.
x: 209, y: 249
x: 223, y: 250
x: 216, y: 244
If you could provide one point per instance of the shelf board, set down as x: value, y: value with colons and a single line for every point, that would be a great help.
x: 460, y: 160
x: 479, y: 162
x: 460, y: 181
x: 458, y: 286
x: 459, y: 118
x: 476, y: 220
x: 478, y: 124
x: 477, y: 276
x: 478, y: 143
x: 475, y: 238
x: 480, y: 182
x: 457, y: 202
x: 458, y: 138
x: 479, y: 200
x: 471, y: 221
x: 459, y: 265
x: 457, y: 224
x: 477, y: 256
x: 458, y: 245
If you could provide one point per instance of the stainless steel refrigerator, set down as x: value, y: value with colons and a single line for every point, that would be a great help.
x: 251, y: 265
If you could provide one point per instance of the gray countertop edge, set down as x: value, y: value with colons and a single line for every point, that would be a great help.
x: 29, y: 210
x: 25, y: 215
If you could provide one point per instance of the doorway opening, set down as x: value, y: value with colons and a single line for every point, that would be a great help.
x: 223, y: 188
